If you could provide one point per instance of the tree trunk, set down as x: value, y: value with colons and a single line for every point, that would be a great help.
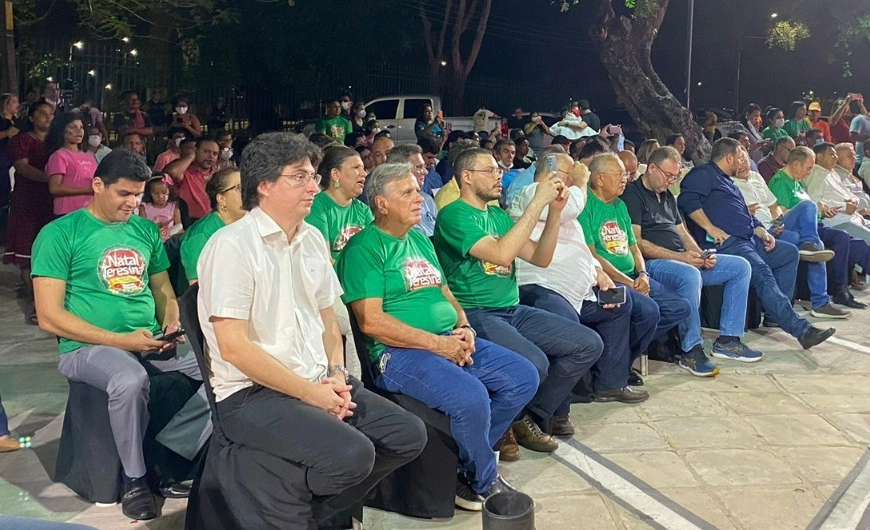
x: 624, y: 46
x: 457, y: 87
x: 9, y: 69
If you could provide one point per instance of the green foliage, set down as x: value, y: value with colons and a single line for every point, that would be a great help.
x: 640, y: 8
x: 786, y: 34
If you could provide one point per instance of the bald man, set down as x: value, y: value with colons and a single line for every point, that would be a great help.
x: 629, y: 160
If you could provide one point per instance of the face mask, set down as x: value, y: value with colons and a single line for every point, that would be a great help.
x: 361, y: 114
x: 178, y: 142
x: 576, y: 112
x: 779, y: 123
x: 820, y: 141
x: 181, y: 110
x: 226, y: 153
x: 345, y: 105
x: 94, y: 140
x: 376, y: 130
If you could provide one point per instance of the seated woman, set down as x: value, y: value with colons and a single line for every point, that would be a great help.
x: 224, y: 192
x: 429, y: 124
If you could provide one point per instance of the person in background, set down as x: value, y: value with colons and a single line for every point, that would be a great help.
x: 218, y: 115
x: 646, y: 148
x: 346, y: 103
x: 775, y: 123
x: 751, y: 120
x: 796, y: 125
x: 770, y: 164
x: 591, y: 119
x: 96, y: 147
x: 412, y: 155
x: 70, y: 170
x: 191, y: 172
x: 224, y: 193
x: 711, y: 133
x: 157, y: 108
x: 859, y: 129
x: 224, y: 139
x: 333, y: 124
x: 678, y: 142
x: 843, y: 106
x: 132, y: 119
x: 365, y: 154
x: 814, y: 116
x: 429, y: 124
x: 9, y: 127
x: 135, y: 143
x: 537, y: 132
x: 481, y: 119
x: 431, y: 149
x: 31, y: 207
x: 158, y: 208
x: 358, y: 118
x: 182, y: 117
x: 173, y: 149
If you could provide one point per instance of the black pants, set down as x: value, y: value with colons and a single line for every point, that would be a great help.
x: 344, y: 459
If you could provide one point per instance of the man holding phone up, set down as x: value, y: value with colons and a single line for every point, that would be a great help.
x: 675, y: 260
x: 100, y: 283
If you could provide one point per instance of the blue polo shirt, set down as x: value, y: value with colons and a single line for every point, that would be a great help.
x: 707, y: 187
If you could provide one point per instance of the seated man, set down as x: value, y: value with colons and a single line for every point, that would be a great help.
x: 191, y: 171
x: 569, y: 286
x: 100, y: 283
x: 267, y: 289
x: 675, y: 260
x: 431, y: 149
x: 770, y: 164
x: 722, y: 220
x: 611, y: 240
x: 527, y: 176
x: 477, y: 246
x: 419, y: 339
x: 450, y: 191
x: 801, y: 226
x: 846, y: 160
x: 413, y: 154
x: 823, y: 185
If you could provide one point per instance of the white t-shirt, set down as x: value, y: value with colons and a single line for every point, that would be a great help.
x: 249, y: 271
x: 572, y: 273
x: 755, y: 191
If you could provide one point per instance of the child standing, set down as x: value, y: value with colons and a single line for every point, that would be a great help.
x: 157, y: 207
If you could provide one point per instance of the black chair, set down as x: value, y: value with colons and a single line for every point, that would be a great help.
x: 87, y: 458
x: 426, y: 486
x: 237, y: 487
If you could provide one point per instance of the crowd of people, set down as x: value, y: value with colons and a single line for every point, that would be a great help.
x: 497, y: 276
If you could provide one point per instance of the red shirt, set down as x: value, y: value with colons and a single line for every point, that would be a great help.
x: 840, y: 132
x: 768, y: 166
x: 192, y: 191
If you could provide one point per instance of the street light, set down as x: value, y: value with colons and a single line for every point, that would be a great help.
x: 443, y: 63
x: 134, y: 52
x: 773, y: 15
x: 108, y: 86
x: 125, y: 39
x: 92, y: 72
x: 78, y: 45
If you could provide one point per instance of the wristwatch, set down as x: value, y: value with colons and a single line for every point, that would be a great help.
x: 643, y: 273
x: 469, y: 328
x: 338, y: 368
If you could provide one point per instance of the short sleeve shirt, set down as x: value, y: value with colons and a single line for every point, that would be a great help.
x: 336, y: 128
x: 338, y: 223
x: 788, y: 192
x: 755, y: 191
x: 475, y: 283
x: 77, y: 168
x: 769, y: 133
x: 192, y: 191
x: 657, y: 216
x: 250, y: 271
x: 106, y: 267
x: 607, y: 227
x: 795, y: 127
x: 404, y: 273
x: 860, y: 125
x: 194, y: 240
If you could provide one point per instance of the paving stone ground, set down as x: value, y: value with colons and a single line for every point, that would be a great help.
x: 761, y: 446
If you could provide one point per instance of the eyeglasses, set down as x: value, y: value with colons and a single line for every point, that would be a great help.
x: 668, y: 176
x: 297, y: 180
x: 236, y: 187
x: 492, y: 172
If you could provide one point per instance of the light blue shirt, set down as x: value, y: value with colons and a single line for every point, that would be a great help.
x: 428, y: 215
x: 523, y: 179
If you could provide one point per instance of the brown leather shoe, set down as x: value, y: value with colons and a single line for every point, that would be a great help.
x: 8, y: 443
x: 623, y: 395
x: 508, y: 450
x: 530, y: 436
x: 562, y: 426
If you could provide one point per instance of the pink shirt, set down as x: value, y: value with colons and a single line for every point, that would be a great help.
x: 78, y: 170
x: 164, y: 159
x: 192, y: 191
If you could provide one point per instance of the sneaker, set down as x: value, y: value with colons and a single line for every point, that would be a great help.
x: 815, y: 253
x: 829, y: 310
x: 623, y: 395
x: 735, y: 350
x: 562, y: 426
x: 466, y: 498
x: 815, y: 336
x: 138, y: 502
x: 696, y: 363
x: 530, y: 436
x: 508, y: 450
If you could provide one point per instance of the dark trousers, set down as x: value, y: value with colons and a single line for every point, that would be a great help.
x: 673, y: 308
x: 838, y: 268
x: 562, y: 350
x: 344, y: 459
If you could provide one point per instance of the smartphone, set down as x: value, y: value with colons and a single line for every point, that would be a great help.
x: 172, y: 336
x: 551, y: 163
x: 157, y: 354
x: 777, y: 222
x: 612, y: 296
x: 613, y: 129
x: 707, y: 253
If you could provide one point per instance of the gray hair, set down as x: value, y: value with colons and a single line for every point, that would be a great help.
x: 382, y: 176
x: 541, y: 165
x: 402, y: 153
x: 265, y: 158
x: 799, y: 154
x: 664, y: 153
x: 600, y: 164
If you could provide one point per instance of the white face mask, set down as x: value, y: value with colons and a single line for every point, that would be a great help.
x: 181, y: 110
x: 226, y: 153
x: 361, y: 114
x: 178, y: 142
x: 94, y: 140
x: 779, y: 123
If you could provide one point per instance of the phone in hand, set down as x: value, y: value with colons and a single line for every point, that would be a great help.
x: 779, y: 221
x: 162, y: 355
x: 707, y: 253
x: 612, y: 296
x: 614, y: 129
x: 551, y: 163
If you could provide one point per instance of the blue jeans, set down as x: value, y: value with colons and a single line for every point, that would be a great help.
x: 773, y: 277
x: 732, y: 271
x: 562, y: 350
x: 645, y: 322
x: 800, y: 224
x: 481, y: 400
x: 673, y: 308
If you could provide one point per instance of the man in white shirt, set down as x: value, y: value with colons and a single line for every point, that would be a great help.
x: 846, y: 160
x: 267, y: 290
x: 825, y: 186
x: 569, y: 287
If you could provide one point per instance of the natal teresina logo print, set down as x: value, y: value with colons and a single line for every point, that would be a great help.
x: 419, y: 273
x: 614, y: 238
x: 344, y: 236
x: 122, y: 270
x: 492, y: 269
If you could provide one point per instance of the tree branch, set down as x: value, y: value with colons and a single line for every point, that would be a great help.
x: 478, y: 36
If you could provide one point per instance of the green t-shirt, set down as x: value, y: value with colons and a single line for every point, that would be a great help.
x: 474, y: 283
x: 338, y: 223
x: 788, y: 192
x: 769, y: 133
x: 336, y: 128
x: 106, y: 267
x: 608, y: 228
x: 793, y: 128
x: 402, y: 272
x: 194, y: 240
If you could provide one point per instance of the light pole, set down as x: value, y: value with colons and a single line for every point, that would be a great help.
x: 739, y: 63
x: 689, y: 56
